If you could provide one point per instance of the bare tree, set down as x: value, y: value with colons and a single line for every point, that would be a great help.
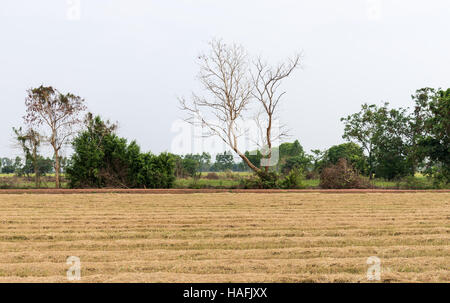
x: 224, y: 76
x: 60, y: 112
x: 266, y: 81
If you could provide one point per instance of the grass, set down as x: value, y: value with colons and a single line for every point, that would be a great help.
x: 205, y: 183
x: 225, y: 180
x: 225, y: 237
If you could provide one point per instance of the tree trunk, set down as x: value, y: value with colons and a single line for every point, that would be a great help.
x: 57, y: 168
x: 370, y: 167
x: 269, y: 142
x: 36, y: 169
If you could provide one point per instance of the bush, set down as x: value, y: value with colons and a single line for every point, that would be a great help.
x: 229, y: 174
x: 412, y: 182
x: 352, y: 152
x: 293, y: 180
x: 311, y: 175
x: 261, y: 180
x: 341, y: 176
x: 212, y: 176
x: 102, y: 159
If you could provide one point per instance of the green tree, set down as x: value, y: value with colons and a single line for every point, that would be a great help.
x: 363, y: 127
x: 317, y: 159
x: 431, y: 126
x: 387, y: 137
x: 18, y: 166
x: 44, y: 166
x: 7, y: 166
x: 394, y: 145
x: 223, y: 162
x: 30, y: 141
x: 102, y: 159
x: 59, y: 112
x: 254, y: 157
x: 291, y: 149
x: 191, y: 166
x: 350, y: 151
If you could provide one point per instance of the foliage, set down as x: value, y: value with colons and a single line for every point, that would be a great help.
x: 386, y: 136
x: 352, y: 152
x: 7, y: 166
x: 317, y: 160
x: 432, y: 128
x: 59, y: 112
x: 293, y: 180
x: 254, y: 157
x: 293, y: 156
x: 223, y: 162
x: 393, y: 145
x: 102, y: 159
x: 190, y: 166
x: 44, y: 166
x: 363, y: 127
x: 262, y: 180
x: 30, y: 141
x: 297, y: 162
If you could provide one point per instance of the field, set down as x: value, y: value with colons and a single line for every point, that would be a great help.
x: 225, y: 237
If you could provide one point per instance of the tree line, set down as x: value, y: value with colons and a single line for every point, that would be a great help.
x: 382, y: 142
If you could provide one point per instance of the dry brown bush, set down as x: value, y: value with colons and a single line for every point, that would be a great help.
x: 342, y: 176
x: 212, y: 176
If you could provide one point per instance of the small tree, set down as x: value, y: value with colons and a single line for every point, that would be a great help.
x: 30, y: 142
x: 432, y: 129
x: 103, y: 159
x: 59, y: 112
x: 385, y: 135
x: 350, y: 151
x: 7, y: 166
x: 362, y: 127
x: 223, y: 162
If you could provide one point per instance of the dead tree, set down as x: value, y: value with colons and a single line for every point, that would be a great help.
x: 59, y: 112
x: 232, y: 85
x: 224, y: 76
x: 266, y: 82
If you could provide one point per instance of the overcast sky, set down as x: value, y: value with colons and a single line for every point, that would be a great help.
x: 130, y: 59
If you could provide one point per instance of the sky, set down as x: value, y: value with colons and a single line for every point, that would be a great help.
x: 131, y: 59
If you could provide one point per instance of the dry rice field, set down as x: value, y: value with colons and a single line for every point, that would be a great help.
x: 225, y: 237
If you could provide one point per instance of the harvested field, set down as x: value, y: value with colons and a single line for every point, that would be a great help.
x: 225, y: 237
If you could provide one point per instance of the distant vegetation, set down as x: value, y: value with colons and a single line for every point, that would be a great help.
x: 395, y: 147
x: 388, y: 148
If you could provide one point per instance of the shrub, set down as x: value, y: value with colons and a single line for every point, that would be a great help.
x: 102, y: 159
x: 352, y: 152
x: 293, y: 180
x: 212, y: 176
x: 229, y: 174
x: 311, y: 175
x: 341, y: 176
x: 412, y: 182
x: 261, y: 180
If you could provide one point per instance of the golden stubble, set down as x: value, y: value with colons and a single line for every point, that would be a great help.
x: 225, y: 237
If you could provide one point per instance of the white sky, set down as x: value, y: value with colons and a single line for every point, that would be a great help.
x: 130, y: 59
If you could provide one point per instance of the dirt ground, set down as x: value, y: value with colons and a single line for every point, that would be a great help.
x: 225, y: 237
